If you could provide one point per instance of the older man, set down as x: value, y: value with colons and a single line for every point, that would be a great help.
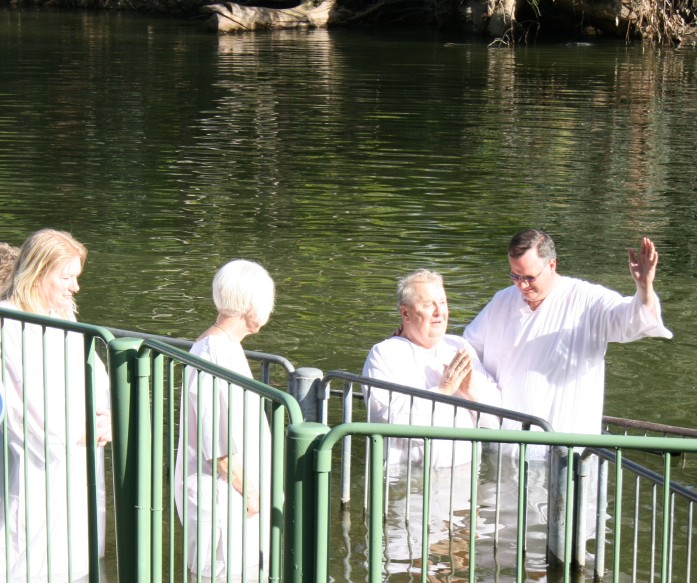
x: 544, y: 338
x: 425, y: 357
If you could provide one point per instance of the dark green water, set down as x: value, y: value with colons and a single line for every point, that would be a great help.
x: 341, y: 160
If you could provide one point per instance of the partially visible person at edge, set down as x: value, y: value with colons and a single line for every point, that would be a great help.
x: 8, y: 257
x: 544, y: 338
x: 423, y: 356
x: 243, y: 293
x: 48, y: 471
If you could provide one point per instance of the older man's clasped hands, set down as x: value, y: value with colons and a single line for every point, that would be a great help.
x: 457, y: 376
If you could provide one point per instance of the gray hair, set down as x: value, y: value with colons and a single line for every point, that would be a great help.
x: 523, y: 241
x: 244, y: 288
x: 405, y: 285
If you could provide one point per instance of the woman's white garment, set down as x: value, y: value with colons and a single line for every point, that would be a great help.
x: 400, y: 361
x: 230, y: 419
x: 38, y: 469
x: 550, y: 362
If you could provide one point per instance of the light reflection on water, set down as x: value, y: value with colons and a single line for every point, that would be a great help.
x: 340, y: 160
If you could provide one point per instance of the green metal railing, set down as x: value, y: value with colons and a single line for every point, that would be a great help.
x: 485, y: 559
x: 149, y: 375
x: 476, y: 522
x: 14, y: 330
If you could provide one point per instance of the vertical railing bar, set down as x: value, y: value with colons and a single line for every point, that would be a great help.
x: 690, y: 529
x: 671, y: 539
x: 497, y: 503
x: 473, y: 509
x: 367, y: 464
x: 522, y: 509
x: 92, y: 476
x: 654, y: 529
x: 199, y: 475
x: 47, y: 503
x: 157, y: 459
x: 425, y: 511
x: 375, y: 510
x: 666, y: 519
x: 184, y: 430
x: 214, y: 471
x: 346, y: 444
x: 618, y: 517
x: 409, y: 465
x: 171, y: 465
x: 635, y: 536
x: 601, y: 519
x: 569, y: 512
x: 144, y: 457
x: 262, y: 480
x: 245, y: 481
x: 278, y: 453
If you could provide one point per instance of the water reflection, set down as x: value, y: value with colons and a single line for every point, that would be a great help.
x: 342, y: 159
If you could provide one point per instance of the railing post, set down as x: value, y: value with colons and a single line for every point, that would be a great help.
x: 304, y: 386
x: 583, y: 472
x: 556, y: 520
x: 601, y: 521
x: 122, y: 368
x: 301, y: 494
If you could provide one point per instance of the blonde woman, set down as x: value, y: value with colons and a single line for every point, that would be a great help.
x: 45, y: 489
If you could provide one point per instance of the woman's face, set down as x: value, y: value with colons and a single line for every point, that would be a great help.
x: 58, y: 286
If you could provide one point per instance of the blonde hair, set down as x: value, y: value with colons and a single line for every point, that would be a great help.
x: 244, y: 288
x: 8, y: 258
x: 40, y: 253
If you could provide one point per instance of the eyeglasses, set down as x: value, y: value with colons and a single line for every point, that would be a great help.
x: 529, y: 279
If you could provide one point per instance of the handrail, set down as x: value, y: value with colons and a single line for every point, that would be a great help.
x: 97, y: 331
x: 649, y: 426
x: 526, y: 420
x: 514, y: 436
x: 185, y: 344
x: 643, y: 471
x: 186, y: 358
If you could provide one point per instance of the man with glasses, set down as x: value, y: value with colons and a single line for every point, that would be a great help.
x: 544, y: 338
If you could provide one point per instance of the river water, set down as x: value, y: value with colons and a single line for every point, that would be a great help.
x: 341, y: 160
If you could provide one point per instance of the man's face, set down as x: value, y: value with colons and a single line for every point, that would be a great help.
x: 543, y: 272
x: 425, y: 321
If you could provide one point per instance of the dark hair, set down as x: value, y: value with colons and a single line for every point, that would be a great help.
x: 523, y: 241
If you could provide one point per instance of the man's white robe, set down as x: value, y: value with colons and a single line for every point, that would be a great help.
x: 550, y: 362
x: 399, y: 361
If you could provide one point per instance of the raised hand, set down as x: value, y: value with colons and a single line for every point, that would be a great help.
x: 642, y: 264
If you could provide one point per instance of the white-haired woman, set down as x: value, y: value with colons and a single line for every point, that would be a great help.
x: 45, y: 488
x: 243, y: 293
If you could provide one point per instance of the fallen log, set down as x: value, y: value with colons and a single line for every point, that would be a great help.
x: 231, y: 17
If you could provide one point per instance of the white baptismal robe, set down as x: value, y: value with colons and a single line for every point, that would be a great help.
x: 39, y: 470
x: 220, y: 350
x: 400, y: 361
x: 550, y: 362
